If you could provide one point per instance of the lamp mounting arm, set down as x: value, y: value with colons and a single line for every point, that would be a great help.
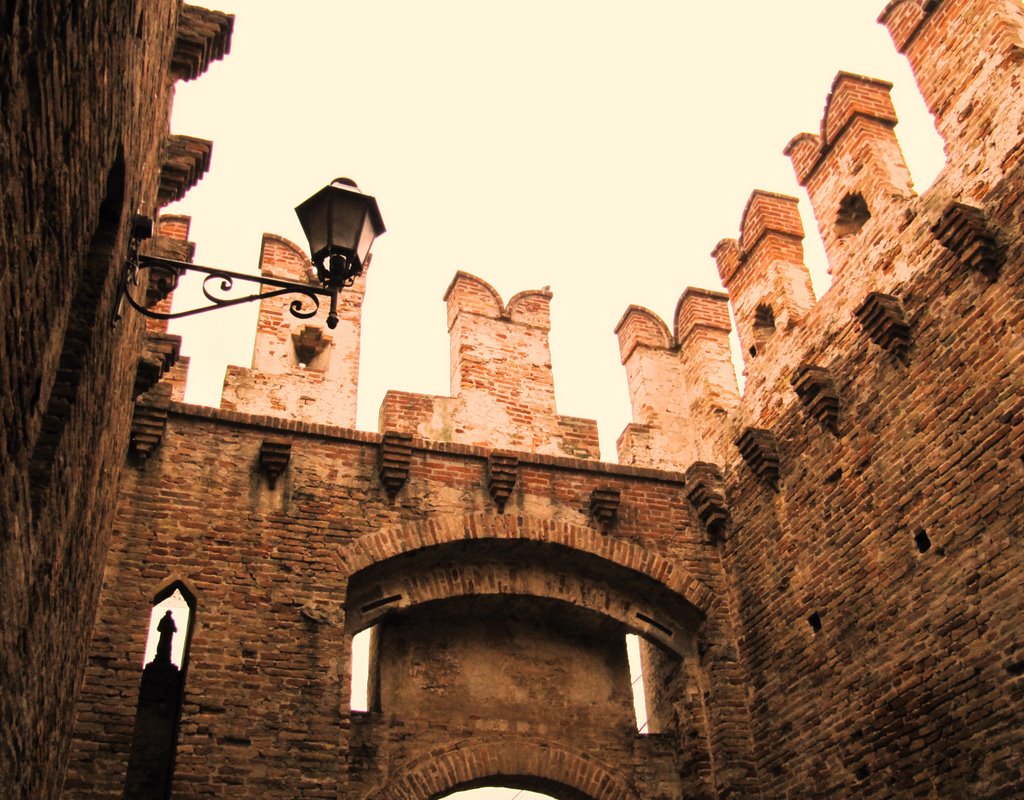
x: 216, y: 286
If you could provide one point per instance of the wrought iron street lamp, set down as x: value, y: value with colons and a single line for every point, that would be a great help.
x: 340, y: 223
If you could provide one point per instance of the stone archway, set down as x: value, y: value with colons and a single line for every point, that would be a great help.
x: 394, y: 541
x: 542, y: 767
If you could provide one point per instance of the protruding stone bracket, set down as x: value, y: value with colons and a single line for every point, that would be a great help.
x: 148, y: 425
x: 760, y: 450
x: 964, y: 231
x: 158, y: 356
x: 203, y: 36
x: 502, y: 473
x: 185, y: 160
x: 604, y: 506
x: 393, y: 460
x: 705, y: 490
x: 309, y: 342
x: 274, y: 457
x: 817, y: 390
x: 884, y: 322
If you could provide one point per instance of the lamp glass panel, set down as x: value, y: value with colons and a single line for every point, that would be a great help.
x: 366, y: 238
x: 313, y: 218
x: 348, y: 213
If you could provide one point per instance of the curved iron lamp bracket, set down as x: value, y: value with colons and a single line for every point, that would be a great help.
x: 219, y: 282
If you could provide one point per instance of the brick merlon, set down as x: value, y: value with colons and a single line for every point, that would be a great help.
x: 472, y: 294
x: 638, y: 327
x: 854, y: 95
x: 701, y: 307
x: 727, y: 257
x: 768, y: 212
x: 803, y: 150
x: 283, y: 258
x: 903, y: 19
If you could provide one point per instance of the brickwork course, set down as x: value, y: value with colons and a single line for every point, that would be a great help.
x: 825, y: 571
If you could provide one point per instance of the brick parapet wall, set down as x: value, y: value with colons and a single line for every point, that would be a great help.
x: 270, y: 569
x: 894, y: 533
x: 919, y: 644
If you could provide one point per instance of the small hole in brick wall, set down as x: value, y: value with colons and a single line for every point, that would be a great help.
x: 862, y: 773
x: 764, y: 319
x: 814, y: 621
x: 835, y: 476
x: 1015, y: 669
x: 753, y: 352
x: 922, y: 541
x: 853, y: 213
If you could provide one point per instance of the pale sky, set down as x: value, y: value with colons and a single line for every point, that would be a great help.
x: 597, y: 148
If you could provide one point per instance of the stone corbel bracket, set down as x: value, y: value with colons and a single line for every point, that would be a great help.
x: 159, y: 354
x: 760, y: 449
x: 274, y: 457
x: 604, y: 506
x: 705, y: 490
x: 203, y: 36
x: 393, y: 460
x: 148, y: 425
x: 185, y: 160
x: 963, y: 231
x: 883, y: 320
x: 817, y: 391
x: 502, y: 473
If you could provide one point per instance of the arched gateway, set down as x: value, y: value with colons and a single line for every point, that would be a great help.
x: 498, y: 656
x: 557, y: 770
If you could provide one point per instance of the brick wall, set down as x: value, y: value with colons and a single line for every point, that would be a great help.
x: 83, y: 146
x: 284, y: 577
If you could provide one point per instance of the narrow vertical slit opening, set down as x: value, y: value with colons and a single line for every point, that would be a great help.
x: 363, y: 696
x: 636, y: 680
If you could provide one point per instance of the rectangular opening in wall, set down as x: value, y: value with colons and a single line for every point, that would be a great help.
x: 636, y: 679
x: 363, y: 696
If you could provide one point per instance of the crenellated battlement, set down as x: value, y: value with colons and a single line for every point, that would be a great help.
x: 875, y: 230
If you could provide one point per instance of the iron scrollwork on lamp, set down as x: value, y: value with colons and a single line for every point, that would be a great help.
x: 340, y: 223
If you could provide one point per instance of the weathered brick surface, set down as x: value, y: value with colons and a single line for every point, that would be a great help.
x: 84, y: 103
x: 879, y: 589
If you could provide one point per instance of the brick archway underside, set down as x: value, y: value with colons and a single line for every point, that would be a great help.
x: 388, y: 543
x: 540, y: 767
